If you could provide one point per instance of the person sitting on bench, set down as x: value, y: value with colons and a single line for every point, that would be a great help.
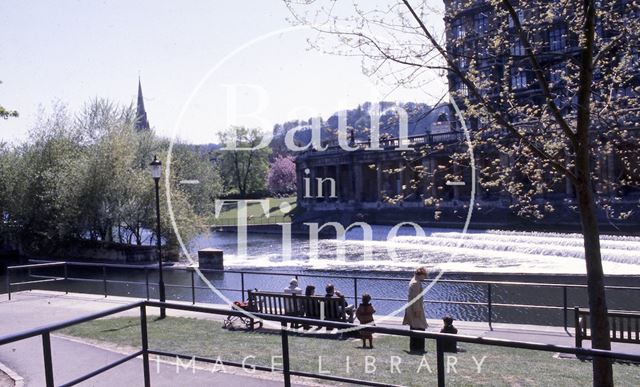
x: 311, y: 307
x: 293, y: 287
x: 348, y: 309
x: 290, y: 307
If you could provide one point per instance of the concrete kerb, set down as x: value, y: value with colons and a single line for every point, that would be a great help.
x: 18, y: 381
x: 93, y: 303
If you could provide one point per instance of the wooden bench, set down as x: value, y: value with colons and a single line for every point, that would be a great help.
x: 624, y: 326
x: 284, y: 304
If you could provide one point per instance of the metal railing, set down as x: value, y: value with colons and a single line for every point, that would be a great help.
x: 488, y: 303
x: 144, y: 352
x: 394, y: 142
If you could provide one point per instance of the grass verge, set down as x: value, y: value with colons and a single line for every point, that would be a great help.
x: 478, y: 365
x: 255, y: 212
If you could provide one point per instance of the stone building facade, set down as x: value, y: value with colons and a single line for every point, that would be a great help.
x: 336, y: 179
x: 368, y: 180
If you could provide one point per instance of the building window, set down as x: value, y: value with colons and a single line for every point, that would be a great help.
x: 520, y: 14
x: 517, y: 48
x: 558, y: 38
x: 555, y: 74
x: 463, y: 90
x: 480, y: 22
x: 462, y: 62
x: 482, y: 55
x: 518, y: 79
x: 458, y: 29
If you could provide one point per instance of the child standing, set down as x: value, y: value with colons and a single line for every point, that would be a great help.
x: 364, y: 313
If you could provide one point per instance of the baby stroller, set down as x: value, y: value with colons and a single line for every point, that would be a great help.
x: 247, y: 321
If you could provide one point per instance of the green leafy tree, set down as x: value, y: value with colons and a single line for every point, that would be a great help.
x: 9, y: 176
x: 195, y: 174
x: 245, y: 170
x: 4, y: 113
x: 46, y: 193
x: 87, y: 177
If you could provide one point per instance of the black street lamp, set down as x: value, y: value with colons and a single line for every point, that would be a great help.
x: 156, y: 172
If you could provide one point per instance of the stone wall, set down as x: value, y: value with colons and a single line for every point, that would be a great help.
x: 97, y: 251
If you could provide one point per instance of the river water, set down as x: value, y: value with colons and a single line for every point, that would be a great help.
x: 491, y: 251
x: 488, y: 256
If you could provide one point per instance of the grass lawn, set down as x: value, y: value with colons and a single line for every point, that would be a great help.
x: 255, y: 213
x: 500, y: 367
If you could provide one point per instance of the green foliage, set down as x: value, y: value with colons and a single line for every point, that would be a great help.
x: 246, y: 169
x: 4, y: 113
x: 87, y: 177
x: 190, y: 163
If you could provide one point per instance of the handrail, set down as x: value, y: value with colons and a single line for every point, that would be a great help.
x: 488, y: 302
x: 30, y: 266
x: 367, y: 278
x: 440, y: 339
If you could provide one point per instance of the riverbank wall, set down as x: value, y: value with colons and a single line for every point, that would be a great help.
x: 479, y: 219
x: 104, y: 252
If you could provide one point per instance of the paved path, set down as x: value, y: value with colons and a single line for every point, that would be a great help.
x: 72, y: 358
x: 30, y: 310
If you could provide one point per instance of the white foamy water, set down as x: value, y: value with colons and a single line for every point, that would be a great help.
x: 450, y: 250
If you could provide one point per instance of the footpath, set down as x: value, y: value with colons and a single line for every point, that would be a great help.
x: 72, y: 358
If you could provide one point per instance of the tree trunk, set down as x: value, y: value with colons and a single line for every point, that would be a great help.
x: 600, y: 339
x: 602, y: 369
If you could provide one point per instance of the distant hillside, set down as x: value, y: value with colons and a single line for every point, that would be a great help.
x: 421, y: 117
x: 203, y: 149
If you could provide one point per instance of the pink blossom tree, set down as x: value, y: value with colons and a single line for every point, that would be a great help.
x: 282, y: 176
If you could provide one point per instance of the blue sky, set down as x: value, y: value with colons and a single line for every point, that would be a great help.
x: 72, y: 51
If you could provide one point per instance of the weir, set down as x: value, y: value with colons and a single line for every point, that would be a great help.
x: 492, y: 251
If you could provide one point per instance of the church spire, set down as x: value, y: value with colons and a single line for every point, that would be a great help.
x: 142, y: 123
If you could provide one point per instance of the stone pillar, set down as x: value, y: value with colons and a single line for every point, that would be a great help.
x: 326, y: 185
x: 314, y: 184
x: 338, y: 183
x: 358, y: 182
x: 351, y: 185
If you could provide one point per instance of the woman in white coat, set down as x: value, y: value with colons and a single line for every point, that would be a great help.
x: 414, y: 313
